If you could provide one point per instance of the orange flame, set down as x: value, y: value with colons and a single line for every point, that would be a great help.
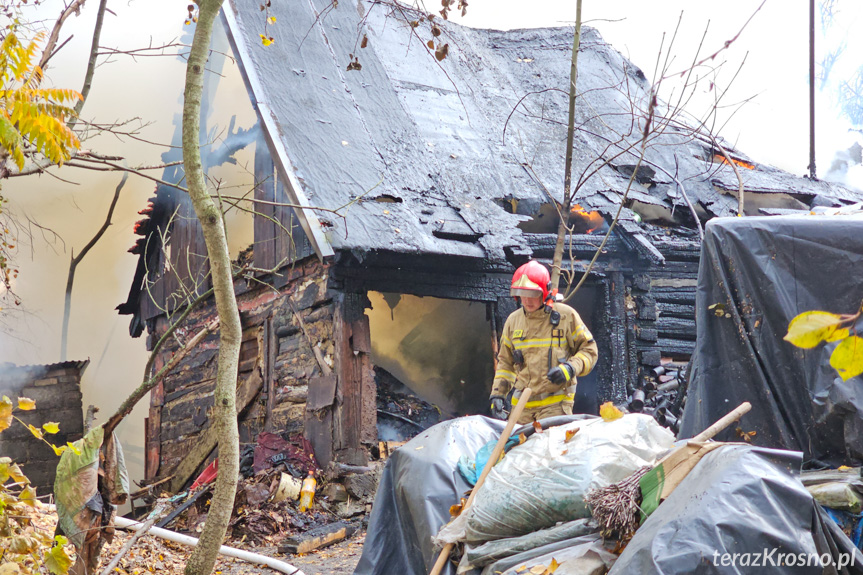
x: 717, y: 157
x: 592, y: 220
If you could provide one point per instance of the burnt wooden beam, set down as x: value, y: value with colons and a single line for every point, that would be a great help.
x: 633, y: 236
x: 426, y: 282
x: 680, y: 310
x: 317, y: 538
x: 615, y: 389
x: 677, y: 328
x: 684, y: 295
x: 582, y: 244
x: 207, y: 440
x: 685, y: 250
x: 355, y: 412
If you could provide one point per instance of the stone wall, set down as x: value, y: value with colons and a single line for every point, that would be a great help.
x: 56, y: 389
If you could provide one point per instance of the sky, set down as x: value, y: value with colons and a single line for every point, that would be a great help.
x: 772, y: 128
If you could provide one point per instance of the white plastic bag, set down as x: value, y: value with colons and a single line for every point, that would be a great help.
x: 544, y: 480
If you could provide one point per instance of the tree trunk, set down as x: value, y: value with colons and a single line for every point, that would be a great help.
x: 224, y: 412
x: 567, y: 168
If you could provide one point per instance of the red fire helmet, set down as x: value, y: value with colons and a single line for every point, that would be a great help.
x: 530, y: 280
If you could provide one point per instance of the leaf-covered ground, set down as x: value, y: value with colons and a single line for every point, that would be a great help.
x: 154, y: 555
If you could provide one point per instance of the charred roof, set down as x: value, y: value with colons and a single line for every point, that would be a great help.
x: 449, y: 157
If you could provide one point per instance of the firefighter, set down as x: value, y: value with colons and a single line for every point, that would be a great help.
x: 544, y: 346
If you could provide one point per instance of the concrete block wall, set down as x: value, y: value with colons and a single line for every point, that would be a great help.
x: 56, y: 389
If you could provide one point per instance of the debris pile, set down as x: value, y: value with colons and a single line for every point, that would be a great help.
x: 662, y: 394
x: 401, y: 413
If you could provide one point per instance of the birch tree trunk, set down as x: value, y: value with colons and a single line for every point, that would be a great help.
x: 224, y: 412
x: 562, y: 228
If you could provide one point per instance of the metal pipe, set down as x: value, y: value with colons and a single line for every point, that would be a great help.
x: 812, y: 89
x: 168, y: 535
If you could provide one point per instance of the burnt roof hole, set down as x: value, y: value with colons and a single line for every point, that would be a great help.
x: 544, y: 220
x: 645, y: 175
x: 388, y: 199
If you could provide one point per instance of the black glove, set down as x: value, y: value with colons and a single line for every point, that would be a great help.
x: 497, y: 410
x: 562, y: 374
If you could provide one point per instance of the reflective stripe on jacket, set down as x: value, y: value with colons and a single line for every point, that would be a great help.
x: 533, y: 335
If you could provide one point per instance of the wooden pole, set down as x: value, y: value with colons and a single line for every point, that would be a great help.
x: 495, y: 455
x: 711, y: 431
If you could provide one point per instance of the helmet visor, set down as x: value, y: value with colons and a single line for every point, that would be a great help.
x: 525, y: 292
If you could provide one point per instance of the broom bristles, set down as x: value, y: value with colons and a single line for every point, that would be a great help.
x: 616, y: 507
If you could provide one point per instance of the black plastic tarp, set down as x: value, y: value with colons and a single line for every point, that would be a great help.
x: 763, y: 271
x: 742, y: 509
x: 418, y: 486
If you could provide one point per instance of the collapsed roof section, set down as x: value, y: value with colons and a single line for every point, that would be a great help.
x: 448, y: 157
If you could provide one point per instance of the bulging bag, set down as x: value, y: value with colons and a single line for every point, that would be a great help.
x: 544, y: 480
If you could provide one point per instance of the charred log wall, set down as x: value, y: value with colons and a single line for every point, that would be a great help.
x: 56, y: 389
x: 288, y: 345
x: 646, y: 315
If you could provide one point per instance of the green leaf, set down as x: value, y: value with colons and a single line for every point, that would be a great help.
x: 847, y: 358
x: 5, y: 413
x: 57, y: 561
x: 51, y: 427
x: 810, y: 328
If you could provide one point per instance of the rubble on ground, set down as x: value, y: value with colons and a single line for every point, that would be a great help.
x: 401, y: 413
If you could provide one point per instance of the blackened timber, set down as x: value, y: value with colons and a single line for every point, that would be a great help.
x: 674, y: 295
x: 675, y: 269
x: 619, y: 353
x: 680, y: 310
x: 475, y: 287
x: 685, y: 250
x: 581, y: 244
x: 676, y: 327
x: 632, y: 236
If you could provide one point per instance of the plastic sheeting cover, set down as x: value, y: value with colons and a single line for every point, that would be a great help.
x: 764, y: 271
x: 739, y: 499
x: 544, y: 480
x: 419, y: 484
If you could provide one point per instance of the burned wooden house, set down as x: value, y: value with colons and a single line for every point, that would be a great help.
x: 395, y: 198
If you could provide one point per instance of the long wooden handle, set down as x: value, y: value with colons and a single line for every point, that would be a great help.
x: 711, y: 431
x: 495, y: 455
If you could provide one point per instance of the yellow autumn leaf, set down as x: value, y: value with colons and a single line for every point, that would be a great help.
x: 847, y: 358
x: 51, y: 427
x: 57, y: 561
x: 552, y: 567
x: 265, y: 40
x: 58, y: 450
x: 73, y: 448
x: 609, y: 412
x: 5, y: 413
x: 271, y: 19
x: 28, y: 496
x: 810, y: 328
x: 26, y: 404
x: 37, y: 433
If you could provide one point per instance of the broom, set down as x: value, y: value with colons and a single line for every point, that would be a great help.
x: 495, y: 455
x: 618, y: 507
